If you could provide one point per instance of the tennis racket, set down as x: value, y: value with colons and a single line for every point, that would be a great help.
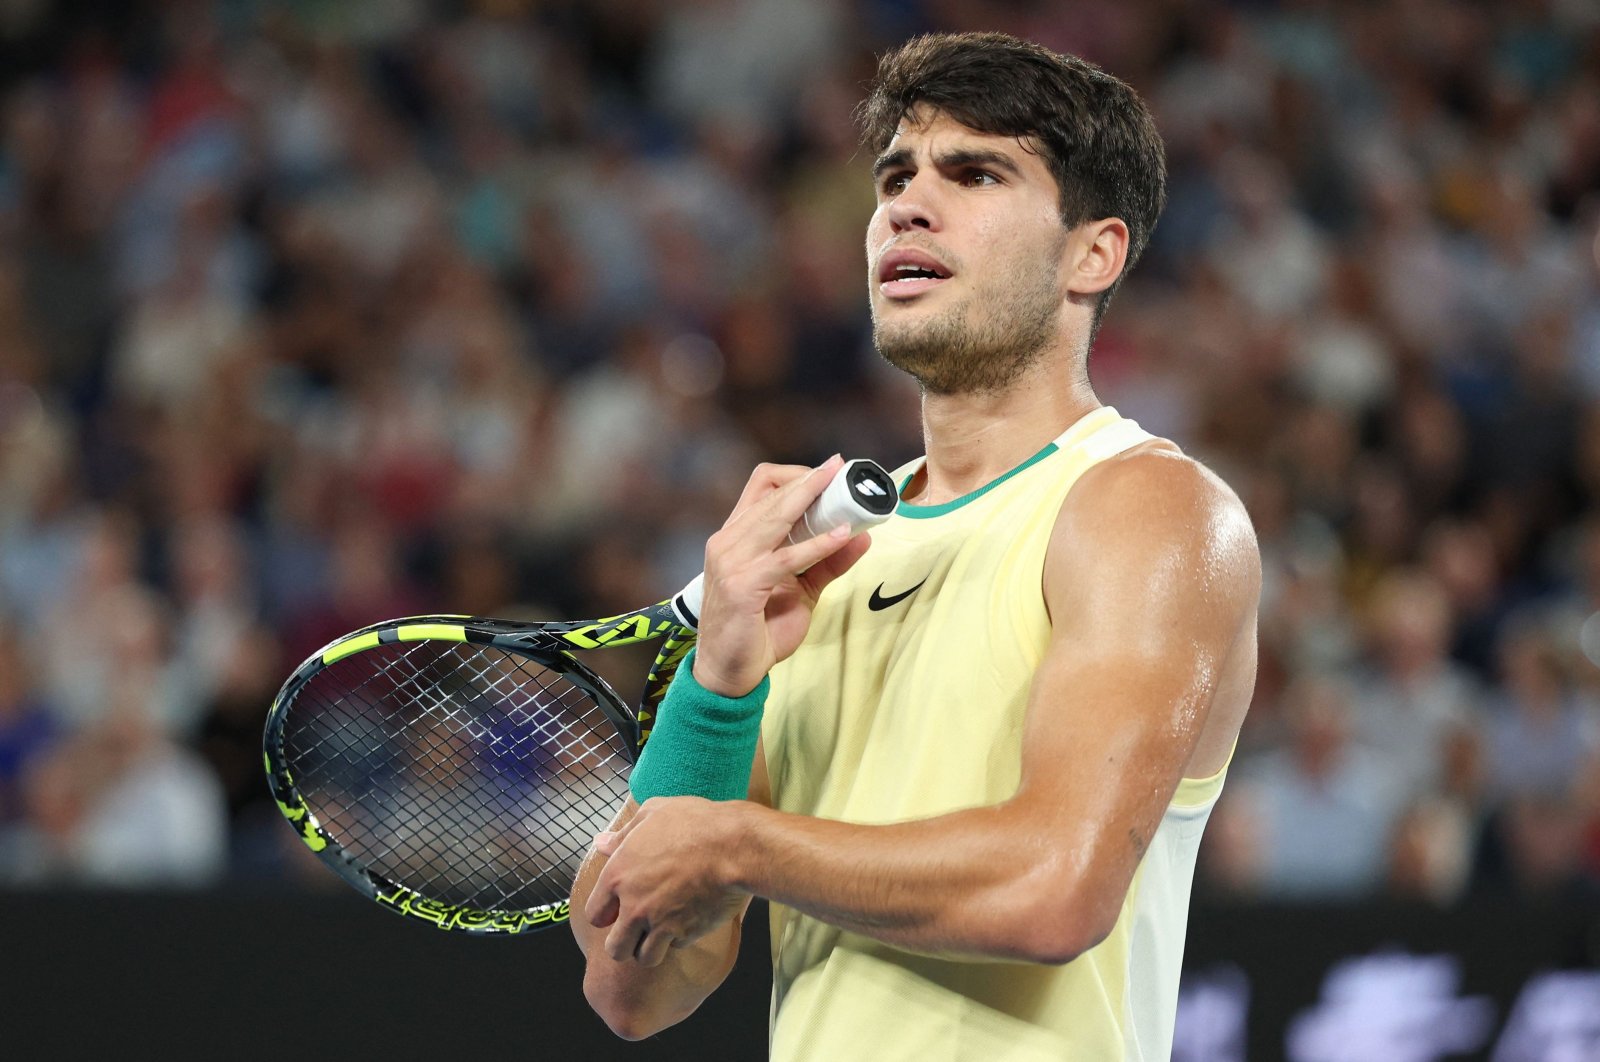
x: 455, y: 769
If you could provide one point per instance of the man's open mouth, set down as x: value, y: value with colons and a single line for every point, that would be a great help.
x: 908, y: 272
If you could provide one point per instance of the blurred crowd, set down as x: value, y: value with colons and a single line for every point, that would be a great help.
x: 316, y: 313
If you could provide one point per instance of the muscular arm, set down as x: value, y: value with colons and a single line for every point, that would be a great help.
x: 1151, y: 583
x: 637, y: 1001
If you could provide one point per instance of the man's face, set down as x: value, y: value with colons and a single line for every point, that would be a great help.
x: 964, y: 256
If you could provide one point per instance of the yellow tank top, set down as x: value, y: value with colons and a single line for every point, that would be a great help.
x: 907, y: 701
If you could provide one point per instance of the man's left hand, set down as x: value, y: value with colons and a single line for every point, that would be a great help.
x: 666, y: 880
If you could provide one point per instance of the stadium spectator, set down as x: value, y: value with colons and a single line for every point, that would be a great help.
x: 1325, y: 803
x: 1412, y: 697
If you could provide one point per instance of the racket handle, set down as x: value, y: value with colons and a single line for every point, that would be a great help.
x: 861, y: 495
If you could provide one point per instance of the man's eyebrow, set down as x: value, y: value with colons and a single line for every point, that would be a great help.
x: 954, y: 160
x: 950, y: 160
x: 892, y: 160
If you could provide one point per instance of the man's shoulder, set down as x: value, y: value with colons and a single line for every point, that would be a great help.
x: 1154, y: 521
x: 1156, y: 489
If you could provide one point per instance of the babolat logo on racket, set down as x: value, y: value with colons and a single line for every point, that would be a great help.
x: 871, y: 487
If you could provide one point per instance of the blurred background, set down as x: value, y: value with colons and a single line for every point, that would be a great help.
x: 314, y: 313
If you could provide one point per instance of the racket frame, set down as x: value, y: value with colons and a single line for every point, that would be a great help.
x: 548, y: 644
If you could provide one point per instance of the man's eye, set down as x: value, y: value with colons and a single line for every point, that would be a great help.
x: 981, y: 178
x: 896, y: 183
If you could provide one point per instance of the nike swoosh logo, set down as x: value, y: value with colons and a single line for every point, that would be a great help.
x: 877, y: 602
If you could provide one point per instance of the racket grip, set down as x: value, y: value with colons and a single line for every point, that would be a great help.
x: 860, y: 495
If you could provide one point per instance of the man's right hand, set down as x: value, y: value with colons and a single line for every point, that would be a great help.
x: 760, y: 589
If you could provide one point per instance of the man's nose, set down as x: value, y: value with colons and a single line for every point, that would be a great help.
x: 916, y: 207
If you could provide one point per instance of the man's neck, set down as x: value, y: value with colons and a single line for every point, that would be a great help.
x: 973, y: 439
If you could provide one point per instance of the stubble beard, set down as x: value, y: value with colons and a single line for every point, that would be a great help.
x: 952, y: 353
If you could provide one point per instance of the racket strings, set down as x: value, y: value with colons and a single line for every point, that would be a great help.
x: 441, y: 747
x: 434, y: 764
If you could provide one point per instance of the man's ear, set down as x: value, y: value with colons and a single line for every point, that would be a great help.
x: 1096, y: 254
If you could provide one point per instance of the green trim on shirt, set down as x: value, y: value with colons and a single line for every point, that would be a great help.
x: 927, y: 512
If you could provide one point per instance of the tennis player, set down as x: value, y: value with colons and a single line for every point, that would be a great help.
x: 988, y: 745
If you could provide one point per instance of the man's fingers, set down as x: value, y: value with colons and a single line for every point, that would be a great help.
x: 763, y: 481
x: 752, y: 534
x: 602, y: 907
x: 793, y: 560
x: 834, y: 564
x: 770, y: 519
x: 652, y: 950
x: 623, y: 940
x: 620, y: 830
x: 791, y: 502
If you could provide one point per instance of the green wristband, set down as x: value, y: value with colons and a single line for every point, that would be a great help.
x: 702, y: 743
